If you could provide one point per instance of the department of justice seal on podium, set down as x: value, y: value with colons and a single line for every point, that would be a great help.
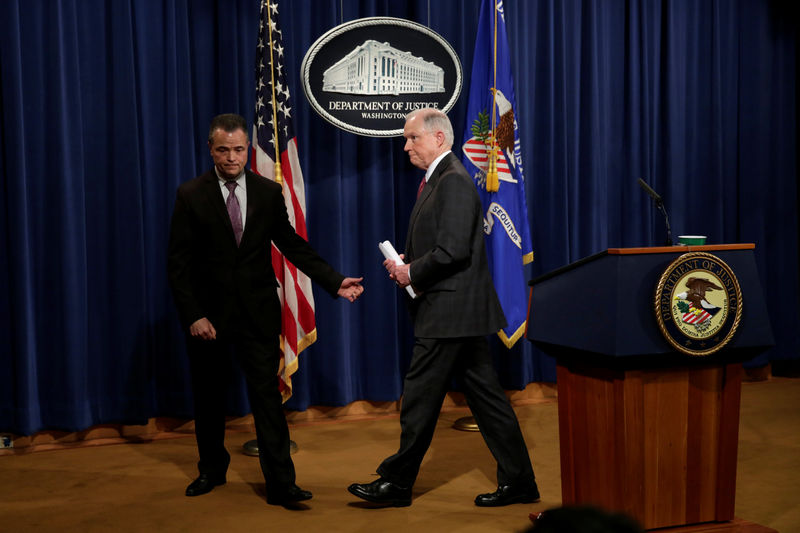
x: 698, y: 304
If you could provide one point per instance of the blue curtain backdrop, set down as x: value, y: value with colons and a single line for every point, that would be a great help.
x: 105, y: 106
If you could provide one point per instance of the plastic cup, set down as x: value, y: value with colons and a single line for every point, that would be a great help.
x: 692, y: 239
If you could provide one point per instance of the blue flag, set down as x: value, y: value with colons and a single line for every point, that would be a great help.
x: 491, y: 121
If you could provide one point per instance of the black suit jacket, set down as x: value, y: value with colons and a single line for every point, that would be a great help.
x: 446, y: 249
x: 211, y: 277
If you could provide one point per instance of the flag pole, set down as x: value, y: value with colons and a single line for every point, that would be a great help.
x: 468, y: 423
x: 251, y: 447
x: 278, y: 171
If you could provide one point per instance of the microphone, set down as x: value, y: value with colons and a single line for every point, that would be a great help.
x: 653, y: 194
x: 660, y: 205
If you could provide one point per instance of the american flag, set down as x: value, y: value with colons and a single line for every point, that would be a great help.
x: 298, y: 328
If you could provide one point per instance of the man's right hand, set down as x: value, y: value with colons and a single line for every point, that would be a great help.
x: 204, y: 329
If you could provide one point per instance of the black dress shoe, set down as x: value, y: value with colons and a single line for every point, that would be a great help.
x: 382, y: 491
x: 293, y: 494
x: 203, y: 484
x: 508, y: 494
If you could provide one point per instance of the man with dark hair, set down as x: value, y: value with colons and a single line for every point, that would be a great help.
x: 456, y: 308
x: 228, y: 122
x: 220, y: 272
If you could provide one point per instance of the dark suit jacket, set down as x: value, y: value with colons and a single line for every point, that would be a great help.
x: 446, y: 249
x: 211, y: 277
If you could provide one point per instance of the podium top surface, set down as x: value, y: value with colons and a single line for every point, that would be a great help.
x: 649, y: 250
x: 678, y: 248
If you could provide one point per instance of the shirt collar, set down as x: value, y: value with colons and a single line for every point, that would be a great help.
x: 433, y: 165
x: 240, y: 181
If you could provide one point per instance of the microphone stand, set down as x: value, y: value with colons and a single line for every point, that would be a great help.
x: 660, y: 205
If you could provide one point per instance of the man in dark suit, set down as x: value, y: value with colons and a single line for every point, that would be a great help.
x: 220, y: 272
x: 455, y: 309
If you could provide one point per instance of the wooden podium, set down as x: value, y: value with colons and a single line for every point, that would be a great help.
x: 644, y: 429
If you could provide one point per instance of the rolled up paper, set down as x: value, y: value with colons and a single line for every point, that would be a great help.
x: 389, y: 252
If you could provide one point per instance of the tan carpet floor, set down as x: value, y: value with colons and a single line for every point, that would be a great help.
x: 139, y: 487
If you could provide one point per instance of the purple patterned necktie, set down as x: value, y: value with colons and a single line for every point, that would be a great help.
x: 234, y: 211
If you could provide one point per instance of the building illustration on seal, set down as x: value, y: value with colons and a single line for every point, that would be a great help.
x: 375, y: 68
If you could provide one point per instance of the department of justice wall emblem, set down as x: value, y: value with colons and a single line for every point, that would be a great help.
x: 698, y: 304
x: 366, y: 75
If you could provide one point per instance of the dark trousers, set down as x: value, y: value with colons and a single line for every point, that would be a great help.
x: 434, y: 363
x: 259, y: 359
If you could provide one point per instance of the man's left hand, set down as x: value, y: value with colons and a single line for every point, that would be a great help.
x: 398, y: 273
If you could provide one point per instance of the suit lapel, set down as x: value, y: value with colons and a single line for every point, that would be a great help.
x: 433, y: 181
x: 252, y: 204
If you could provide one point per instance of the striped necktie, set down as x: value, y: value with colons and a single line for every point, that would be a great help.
x: 234, y: 211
